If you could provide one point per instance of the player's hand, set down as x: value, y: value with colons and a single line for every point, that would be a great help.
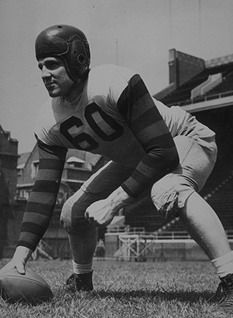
x: 19, y: 260
x: 103, y: 211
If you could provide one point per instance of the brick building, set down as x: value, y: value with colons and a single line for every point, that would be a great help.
x: 8, y: 180
x: 8, y: 160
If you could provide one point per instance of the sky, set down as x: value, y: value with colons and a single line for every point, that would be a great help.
x: 134, y: 33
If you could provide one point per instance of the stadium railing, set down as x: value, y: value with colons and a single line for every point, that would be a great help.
x: 205, y: 98
x: 158, y: 235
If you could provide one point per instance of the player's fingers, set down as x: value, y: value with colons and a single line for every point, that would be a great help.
x: 66, y: 227
x: 88, y: 218
x: 65, y: 224
x: 20, y: 268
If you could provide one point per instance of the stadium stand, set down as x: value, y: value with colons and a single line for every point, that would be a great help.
x: 225, y: 86
x: 185, y: 73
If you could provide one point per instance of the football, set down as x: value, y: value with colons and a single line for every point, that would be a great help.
x: 30, y: 288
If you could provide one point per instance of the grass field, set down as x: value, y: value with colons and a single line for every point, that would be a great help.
x: 126, y: 289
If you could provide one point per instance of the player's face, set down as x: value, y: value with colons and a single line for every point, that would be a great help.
x: 55, y: 77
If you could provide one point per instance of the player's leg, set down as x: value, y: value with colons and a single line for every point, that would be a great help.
x: 200, y: 219
x: 205, y: 227
x: 83, y: 234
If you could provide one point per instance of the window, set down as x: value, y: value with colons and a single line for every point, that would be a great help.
x: 34, y: 168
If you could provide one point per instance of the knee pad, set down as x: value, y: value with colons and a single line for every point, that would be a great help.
x: 170, y: 193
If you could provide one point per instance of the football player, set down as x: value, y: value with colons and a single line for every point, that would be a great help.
x: 108, y: 110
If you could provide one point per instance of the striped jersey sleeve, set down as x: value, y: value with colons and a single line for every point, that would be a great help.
x: 42, y: 199
x: 141, y: 114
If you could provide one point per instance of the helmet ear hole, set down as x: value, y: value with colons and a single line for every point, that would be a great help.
x: 81, y: 59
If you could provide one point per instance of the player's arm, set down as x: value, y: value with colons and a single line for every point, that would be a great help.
x: 136, y: 106
x: 142, y: 116
x: 41, y: 202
